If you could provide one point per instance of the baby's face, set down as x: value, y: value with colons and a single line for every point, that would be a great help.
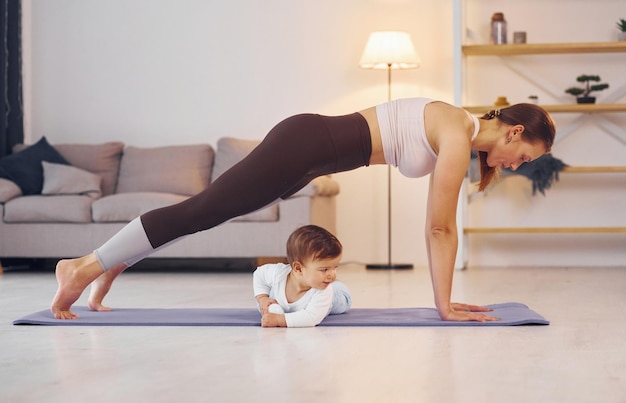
x: 320, y: 273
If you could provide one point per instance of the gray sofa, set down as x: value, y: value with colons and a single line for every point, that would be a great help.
x: 93, y: 190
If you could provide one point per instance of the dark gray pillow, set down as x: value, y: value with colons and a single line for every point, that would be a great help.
x: 24, y: 167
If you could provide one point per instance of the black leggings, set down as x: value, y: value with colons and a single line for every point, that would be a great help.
x: 293, y: 153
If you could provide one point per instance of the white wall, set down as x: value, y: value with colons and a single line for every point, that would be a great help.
x: 157, y: 72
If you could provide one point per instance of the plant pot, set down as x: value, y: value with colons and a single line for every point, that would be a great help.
x: 586, y: 100
x: 621, y: 36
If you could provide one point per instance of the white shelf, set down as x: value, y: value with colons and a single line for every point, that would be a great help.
x: 543, y: 48
x: 544, y: 230
x: 565, y: 108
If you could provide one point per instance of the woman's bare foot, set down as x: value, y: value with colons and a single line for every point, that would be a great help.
x: 101, y: 286
x: 73, y: 276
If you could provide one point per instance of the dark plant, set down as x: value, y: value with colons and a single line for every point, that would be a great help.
x: 621, y: 25
x: 588, y: 88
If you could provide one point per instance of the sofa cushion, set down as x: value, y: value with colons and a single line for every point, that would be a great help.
x: 123, y: 207
x: 24, y: 167
x: 65, y: 179
x: 229, y: 152
x: 48, y: 209
x: 100, y: 159
x: 320, y: 186
x: 8, y: 190
x: 183, y: 170
x: 265, y: 214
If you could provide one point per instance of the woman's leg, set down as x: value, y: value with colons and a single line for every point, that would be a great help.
x: 73, y: 276
x: 101, y: 286
x: 290, y: 151
x: 303, y: 146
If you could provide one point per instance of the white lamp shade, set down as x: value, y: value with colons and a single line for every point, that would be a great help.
x: 386, y: 49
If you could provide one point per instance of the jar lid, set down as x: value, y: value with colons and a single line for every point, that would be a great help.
x: 501, y: 101
x: 497, y: 17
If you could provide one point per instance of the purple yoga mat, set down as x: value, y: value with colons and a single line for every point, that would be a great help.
x: 511, y: 314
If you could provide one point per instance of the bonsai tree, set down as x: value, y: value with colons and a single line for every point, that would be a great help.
x: 582, y: 94
x: 621, y: 26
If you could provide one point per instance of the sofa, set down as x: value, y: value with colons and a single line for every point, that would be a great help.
x: 64, y: 200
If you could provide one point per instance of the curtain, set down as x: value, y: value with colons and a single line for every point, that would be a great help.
x: 12, y: 120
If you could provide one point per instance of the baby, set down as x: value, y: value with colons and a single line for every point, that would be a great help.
x: 303, y: 292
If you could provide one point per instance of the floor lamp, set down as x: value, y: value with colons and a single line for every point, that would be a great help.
x: 389, y: 50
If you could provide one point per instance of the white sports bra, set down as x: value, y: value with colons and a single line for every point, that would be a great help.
x: 403, y: 136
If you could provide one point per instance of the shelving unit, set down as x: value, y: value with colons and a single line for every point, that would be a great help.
x: 504, y: 51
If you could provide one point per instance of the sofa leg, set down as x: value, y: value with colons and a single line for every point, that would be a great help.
x: 260, y: 261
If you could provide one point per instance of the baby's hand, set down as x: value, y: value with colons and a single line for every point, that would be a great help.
x: 264, y: 304
x: 275, y: 308
x: 273, y: 320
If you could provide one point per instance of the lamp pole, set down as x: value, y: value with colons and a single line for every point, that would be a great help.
x: 389, y: 50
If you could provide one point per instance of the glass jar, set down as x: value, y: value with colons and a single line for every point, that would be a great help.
x: 498, y: 29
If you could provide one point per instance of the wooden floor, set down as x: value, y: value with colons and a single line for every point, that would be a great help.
x: 580, y: 357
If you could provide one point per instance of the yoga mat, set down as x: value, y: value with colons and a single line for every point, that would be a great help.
x: 511, y: 314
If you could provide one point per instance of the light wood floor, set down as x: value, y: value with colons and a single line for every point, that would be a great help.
x: 580, y: 357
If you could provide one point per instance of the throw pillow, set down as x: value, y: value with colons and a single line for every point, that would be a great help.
x: 229, y: 152
x: 183, y: 170
x: 24, y: 167
x: 59, y: 179
x: 8, y: 190
x: 101, y: 159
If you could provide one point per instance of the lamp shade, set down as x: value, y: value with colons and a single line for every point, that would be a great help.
x: 387, y: 49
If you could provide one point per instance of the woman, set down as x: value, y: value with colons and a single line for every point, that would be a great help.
x: 418, y: 135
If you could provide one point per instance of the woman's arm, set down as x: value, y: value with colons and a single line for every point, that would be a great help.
x: 441, y: 230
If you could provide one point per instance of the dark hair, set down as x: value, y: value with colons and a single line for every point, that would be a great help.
x: 312, y: 242
x: 538, y: 128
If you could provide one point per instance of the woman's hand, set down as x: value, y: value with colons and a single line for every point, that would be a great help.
x: 466, y: 313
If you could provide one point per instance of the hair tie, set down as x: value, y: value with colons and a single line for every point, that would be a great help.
x: 494, y: 113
